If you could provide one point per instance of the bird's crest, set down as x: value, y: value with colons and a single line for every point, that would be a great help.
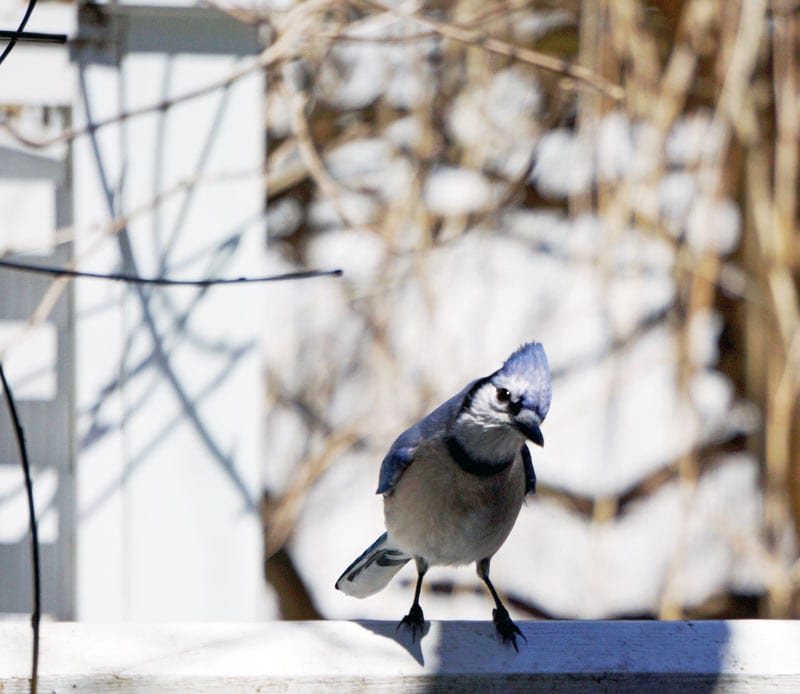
x: 527, y: 362
x: 529, y: 365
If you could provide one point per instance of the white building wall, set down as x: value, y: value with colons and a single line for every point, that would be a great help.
x: 169, y: 400
x: 162, y: 465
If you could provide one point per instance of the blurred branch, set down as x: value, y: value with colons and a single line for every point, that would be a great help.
x: 452, y: 31
x: 501, y: 10
x: 294, y: 599
x: 308, y: 152
x: 284, y: 47
x: 279, y: 514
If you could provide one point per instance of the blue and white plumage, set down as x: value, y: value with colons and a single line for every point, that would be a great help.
x: 453, y: 483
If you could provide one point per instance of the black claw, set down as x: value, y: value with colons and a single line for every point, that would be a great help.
x: 414, y: 620
x: 506, y: 628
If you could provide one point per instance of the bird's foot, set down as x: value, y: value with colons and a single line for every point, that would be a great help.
x: 414, y: 620
x: 505, y: 627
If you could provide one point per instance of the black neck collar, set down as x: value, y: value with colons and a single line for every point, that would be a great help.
x: 474, y: 466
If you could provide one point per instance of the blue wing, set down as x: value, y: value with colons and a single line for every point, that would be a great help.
x: 399, y: 457
x: 435, y: 425
x: 530, y: 475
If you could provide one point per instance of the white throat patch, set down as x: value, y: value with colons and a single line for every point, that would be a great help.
x: 484, y: 430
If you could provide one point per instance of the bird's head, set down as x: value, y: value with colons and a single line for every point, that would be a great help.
x: 516, y: 396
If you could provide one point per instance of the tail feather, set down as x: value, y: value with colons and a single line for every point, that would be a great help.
x: 373, y: 569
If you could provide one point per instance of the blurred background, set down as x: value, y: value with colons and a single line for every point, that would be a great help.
x: 616, y: 179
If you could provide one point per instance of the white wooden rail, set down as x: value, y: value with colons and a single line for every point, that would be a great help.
x: 737, y: 656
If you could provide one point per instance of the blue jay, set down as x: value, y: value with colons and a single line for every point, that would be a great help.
x: 453, y: 484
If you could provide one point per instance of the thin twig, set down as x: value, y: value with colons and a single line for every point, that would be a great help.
x: 163, y: 281
x: 69, y: 233
x: 36, y: 614
x: 342, y: 37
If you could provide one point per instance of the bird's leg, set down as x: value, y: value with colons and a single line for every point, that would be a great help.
x: 502, y: 621
x: 415, y: 620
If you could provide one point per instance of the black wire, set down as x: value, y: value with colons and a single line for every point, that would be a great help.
x: 32, y: 36
x: 36, y: 614
x: 13, y: 41
x: 163, y: 281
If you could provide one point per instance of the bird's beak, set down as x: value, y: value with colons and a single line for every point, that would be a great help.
x: 527, y: 423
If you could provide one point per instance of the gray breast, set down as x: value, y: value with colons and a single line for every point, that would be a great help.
x: 439, y: 512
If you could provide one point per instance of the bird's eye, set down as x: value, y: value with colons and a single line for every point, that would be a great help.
x: 503, y: 395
